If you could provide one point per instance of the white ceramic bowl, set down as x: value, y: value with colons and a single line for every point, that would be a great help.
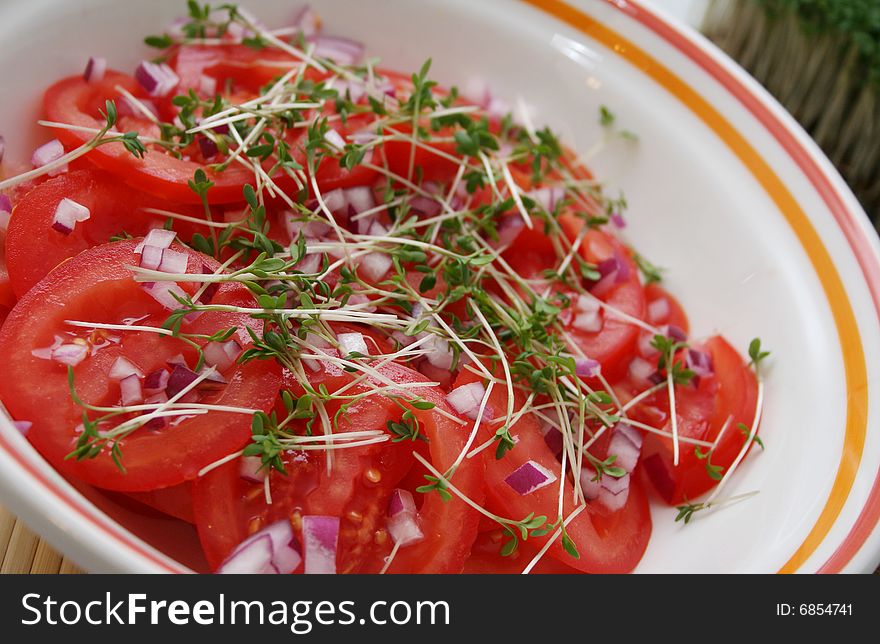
x: 759, y: 233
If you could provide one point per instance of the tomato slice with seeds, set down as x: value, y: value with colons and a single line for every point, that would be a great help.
x: 726, y: 398
x: 114, y: 208
x: 96, y: 286
x: 357, y: 490
x: 606, y: 543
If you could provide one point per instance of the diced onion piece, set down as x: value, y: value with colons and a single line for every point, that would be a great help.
x: 528, y: 477
x: 700, y: 362
x: 181, y: 377
x: 45, y: 353
x: 440, y: 354
x: 222, y: 354
x: 588, y: 322
x: 2, y: 149
x: 335, y: 139
x: 252, y: 556
x: 352, y: 343
x: 123, y: 368
x: 320, y: 537
x: 157, y: 237
x: 425, y: 205
x: 626, y: 445
x: 156, y: 382
x: 548, y: 197
x: 589, y: 487
x: 157, y: 80
x: 658, y: 310
x: 614, y: 492
x: 130, y: 388
x: 162, y: 293
x: 401, y: 502
x: 618, y: 220
x: 341, y: 50
x: 587, y: 367
x: 360, y: 198
x: 172, y: 261
x: 207, y: 147
x: 404, y: 529
x: 151, y: 257
x: 207, y: 85
x: 374, y: 266
x: 67, y: 214
x: 641, y: 369
x: 95, y: 70
x: 466, y: 399
x: 47, y: 153
x: 251, y: 469
x: 553, y: 439
x: 70, y: 354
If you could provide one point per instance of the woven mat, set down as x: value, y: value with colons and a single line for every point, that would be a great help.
x: 24, y: 552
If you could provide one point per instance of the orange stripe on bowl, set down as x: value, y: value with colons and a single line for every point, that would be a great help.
x: 847, y: 329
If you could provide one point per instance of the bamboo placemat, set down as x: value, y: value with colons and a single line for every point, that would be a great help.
x: 24, y: 552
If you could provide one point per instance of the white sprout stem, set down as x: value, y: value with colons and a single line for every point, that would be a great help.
x: 673, y: 416
x: 390, y: 558
x: 759, y: 406
x: 219, y: 462
x: 552, y: 539
x: 119, y: 327
x: 192, y: 220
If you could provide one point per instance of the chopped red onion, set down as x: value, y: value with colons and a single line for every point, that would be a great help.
x: 181, y: 377
x: 587, y: 367
x: 157, y: 398
x: 352, y: 343
x: 334, y: 139
x: 547, y: 198
x: 123, y: 368
x: 401, y: 501
x: 47, y: 153
x: 404, y: 529
x: 207, y: 85
x: 207, y: 147
x: 2, y: 147
x: 588, y: 321
x: 132, y: 107
x: 173, y: 262
x: 466, y: 399
x: 67, y: 214
x: 45, y: 353
x: 553, y: 439
x: 618, y: 220
x: 177, y: 360
x: 286, y: 555
x: 307, y: 21
x: 509, y: 229
x: 95, y: 70
x: 23, y: 426
x: 626, y: 444
x: 363, y: 137
x: 158, y: 237
x: 674, y: 333
x: 251, y: 469
x: 151, y: 257
x: 320, y: 536
x: 156, y: 382
x: 700, y: 362
x: 374, y: 266
x: 641, y: 369
x: 252, y: 556
x: 440, y: 354
x: 528, y: 477
x: 162, y: 293
x: 360, y: 198
x: 157, y: 80
x: 647, y: 349
x: 425, y: 205
x: 5, y: 202
x: 614, y: 492
x: 212, y: 377
x: 336, y: 202
x: 222, y: 355
x: 658, y: 310
x: 616, y: 265
x: 70, y: 354
x: 130, y: 388
x: 590, y: 487
x: 342, y: 50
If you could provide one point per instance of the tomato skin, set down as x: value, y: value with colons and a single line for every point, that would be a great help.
x: 227, y: 508
x: 113, y: 207
x: 96, y: 286
x: 607, y: 543
x: 175, y: 501
x: 702, y: 412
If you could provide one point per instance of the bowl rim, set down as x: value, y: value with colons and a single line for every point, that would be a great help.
x: 97, y: 542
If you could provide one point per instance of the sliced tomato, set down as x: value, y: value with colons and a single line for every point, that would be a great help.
x: 357, y: 489
x: 727, y: 397
x: 606, y: 543
x: 615, y: 343
x: 175, y: 501
x: 486, y: 558
x: 97, y: 286
x: 114, y: 208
